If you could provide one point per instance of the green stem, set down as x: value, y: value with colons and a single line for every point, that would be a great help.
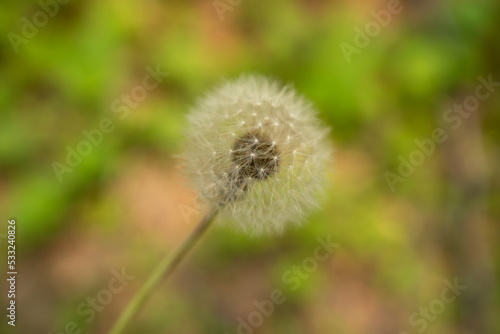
x: 161, y: 272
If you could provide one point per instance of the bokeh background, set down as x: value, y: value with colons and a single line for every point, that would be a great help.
x: 126, y: 203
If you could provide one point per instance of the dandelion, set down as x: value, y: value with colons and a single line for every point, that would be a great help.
x: 257, y: 153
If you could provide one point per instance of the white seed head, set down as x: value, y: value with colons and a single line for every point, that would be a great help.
x: 271, y: 152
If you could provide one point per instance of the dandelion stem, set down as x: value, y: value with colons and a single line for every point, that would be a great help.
x: 166, y: 266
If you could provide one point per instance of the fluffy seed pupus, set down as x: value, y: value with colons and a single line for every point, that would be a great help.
x: 257, y: 151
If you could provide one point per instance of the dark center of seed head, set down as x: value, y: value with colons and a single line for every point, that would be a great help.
x: 255, y: 156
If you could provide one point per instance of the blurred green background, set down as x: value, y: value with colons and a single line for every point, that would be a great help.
x: 126, y: 204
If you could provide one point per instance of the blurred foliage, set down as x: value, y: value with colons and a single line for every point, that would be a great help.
x: 396, y: 247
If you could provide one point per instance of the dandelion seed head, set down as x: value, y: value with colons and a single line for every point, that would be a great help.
x: 271, y: 152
